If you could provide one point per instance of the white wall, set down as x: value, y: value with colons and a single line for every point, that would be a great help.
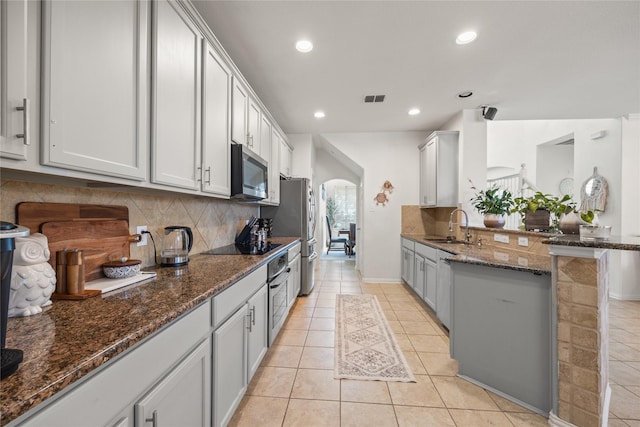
x: 472, y: 149
x: 630, y: 261
x: 391, y: 156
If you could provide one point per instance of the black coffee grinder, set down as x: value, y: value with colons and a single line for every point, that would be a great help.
x: 8, y: 232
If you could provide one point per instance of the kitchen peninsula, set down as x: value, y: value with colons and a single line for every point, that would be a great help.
x: 71, y: 343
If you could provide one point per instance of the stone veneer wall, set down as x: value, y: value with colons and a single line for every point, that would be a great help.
x: 582, y: 290
x: 214, y: 222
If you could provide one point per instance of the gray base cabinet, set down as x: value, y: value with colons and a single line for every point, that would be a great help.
x: 443, y: 290
x: 240, y: 341
x: 182, y: 397
x: 501, y: 331
x: 159, y: 374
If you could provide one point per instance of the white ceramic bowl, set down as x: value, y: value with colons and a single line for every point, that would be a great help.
x: 121, y: 269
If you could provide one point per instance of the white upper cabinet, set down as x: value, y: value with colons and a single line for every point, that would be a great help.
x: 216, y: 129
x: 95, y: 80
x: 254, y: 117
x: 15, y: 108
x: 176, y: 139
x: 274, y: 170
x: 439, y: 170
x: 240, y: 105
x: 285, y: 158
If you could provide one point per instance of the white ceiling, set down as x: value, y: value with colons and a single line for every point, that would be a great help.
x: 532, y: 59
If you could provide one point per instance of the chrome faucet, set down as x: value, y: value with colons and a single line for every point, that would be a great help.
x: 467, y: 235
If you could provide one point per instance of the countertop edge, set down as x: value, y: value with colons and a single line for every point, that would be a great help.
x: 21, y: 405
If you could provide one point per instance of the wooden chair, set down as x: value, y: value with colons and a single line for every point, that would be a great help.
x: 352, y: 239
x: 343, y: 241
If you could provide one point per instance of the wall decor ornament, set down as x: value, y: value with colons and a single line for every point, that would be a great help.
x: 594, y: 193
x: 381, y: 197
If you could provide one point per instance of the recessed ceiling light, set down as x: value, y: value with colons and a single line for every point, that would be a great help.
x: 304, y: 46
x: 465, y: 94
x: 414, y: 111
x: 319, y: 114
x: 466, y: 37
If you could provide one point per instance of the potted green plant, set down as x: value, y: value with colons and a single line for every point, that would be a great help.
x: 494, y: 203
x: 542, y: 211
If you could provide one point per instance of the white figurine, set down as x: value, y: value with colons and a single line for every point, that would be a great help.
x: 33, y: 280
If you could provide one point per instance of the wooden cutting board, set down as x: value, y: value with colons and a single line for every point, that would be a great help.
x: 34, y: 214
x: 99, y: 240
x: 100, y: 231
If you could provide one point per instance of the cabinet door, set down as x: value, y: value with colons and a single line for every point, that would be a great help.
x: 423, y: 176
x: 95, y: 87
x: 176, y: 138
x: 265, y: 140
x: 274, y: 169
x: 431, y: 182
x: 258, y: 329
x: 229, y: 366
x: 253, y: 126
x: 407, y: 266
x: 431, y: 283
x: 295, y: 277
x: 183, y: 396
x: 443, y: 291
x: 14, y: 106
x: 216, y: 122
x: 419, y: 280
x: 285, y: 158
x: 240, y: 102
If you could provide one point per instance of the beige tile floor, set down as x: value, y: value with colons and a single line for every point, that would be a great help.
x: 295, y: 386
x: 624, y: 363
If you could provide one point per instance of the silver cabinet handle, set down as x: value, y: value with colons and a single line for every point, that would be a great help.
x: 199, y: 169
x: 153, y: 420
x: 208, y: 171
x: 250, y: 328
x: 25, y: 121
x: 253, y: 315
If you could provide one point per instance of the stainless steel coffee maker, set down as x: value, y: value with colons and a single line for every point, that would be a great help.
x: 176, y: 244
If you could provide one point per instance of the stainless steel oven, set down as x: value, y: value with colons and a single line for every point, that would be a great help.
x: 277, y: 277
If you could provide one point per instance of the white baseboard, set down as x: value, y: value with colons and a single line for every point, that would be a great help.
x: 622, y: 297
x: 380, y: 280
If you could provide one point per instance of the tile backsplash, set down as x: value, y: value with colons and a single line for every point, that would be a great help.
x: 214, y: 222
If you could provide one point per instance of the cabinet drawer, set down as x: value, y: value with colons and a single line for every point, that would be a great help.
x: 295, y: 250
x: 427, y: 251
x: 409, y: 244
x: 228, y: 301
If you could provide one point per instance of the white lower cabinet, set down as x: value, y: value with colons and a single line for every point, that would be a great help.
x: 294, y: 279
x: 240, y: 342
x: 443, y: 293
x: 420, y: 275
x: 168, y: 373
x: 408, y: 261
x: 182, y: 397
x: 428, y: 285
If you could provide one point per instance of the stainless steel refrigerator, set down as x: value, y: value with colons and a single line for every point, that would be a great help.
x: 296, y: 217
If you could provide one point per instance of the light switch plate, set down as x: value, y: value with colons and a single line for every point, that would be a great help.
x: 502, y: 238
x: 523, y: 241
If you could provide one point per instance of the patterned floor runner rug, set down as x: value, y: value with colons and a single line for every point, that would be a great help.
x: 365, y: 347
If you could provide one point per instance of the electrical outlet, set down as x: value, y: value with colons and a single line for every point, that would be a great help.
x: 139, y: 230
x: 502, y: 238
x: 523, y: 241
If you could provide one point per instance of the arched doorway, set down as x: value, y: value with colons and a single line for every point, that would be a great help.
x: 337, y: 217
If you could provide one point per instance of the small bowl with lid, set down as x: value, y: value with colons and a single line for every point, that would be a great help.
x: 122, y: 268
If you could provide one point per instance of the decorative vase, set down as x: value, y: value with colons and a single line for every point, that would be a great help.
x: 537, y: 221
x: 570, y: 223
x: 494, y: 221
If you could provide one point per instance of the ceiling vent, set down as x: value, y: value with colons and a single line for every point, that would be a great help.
x: 374, y: 98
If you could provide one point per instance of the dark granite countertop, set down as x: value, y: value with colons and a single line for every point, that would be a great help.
x: 490, y: 256
x: 622, y: 243
x: 71, y: 338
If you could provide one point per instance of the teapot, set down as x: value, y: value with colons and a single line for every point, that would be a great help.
x: 176, y: 244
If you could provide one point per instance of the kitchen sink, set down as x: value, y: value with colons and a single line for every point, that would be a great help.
x: 448, y: 241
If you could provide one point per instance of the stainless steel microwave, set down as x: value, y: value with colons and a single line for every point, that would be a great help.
x: 249, y: 174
